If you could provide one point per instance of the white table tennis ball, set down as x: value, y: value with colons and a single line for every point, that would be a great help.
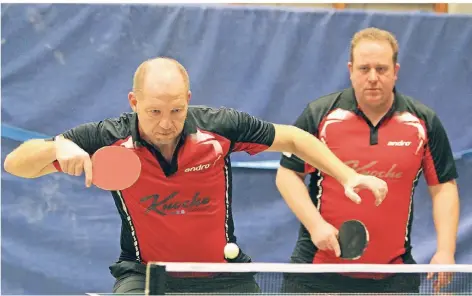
x: 231, y: 251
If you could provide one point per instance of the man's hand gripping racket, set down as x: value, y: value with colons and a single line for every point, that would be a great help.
x: 110, y: 168
x: 349, y: 242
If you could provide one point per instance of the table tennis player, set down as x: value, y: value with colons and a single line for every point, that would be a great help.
x: 391, y: 136
x: 179, y: 209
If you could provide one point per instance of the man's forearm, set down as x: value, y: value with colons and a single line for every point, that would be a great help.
x: 293, y: 190
x: 446, y: 220
x: 30, y: 158
x: 317, y: 154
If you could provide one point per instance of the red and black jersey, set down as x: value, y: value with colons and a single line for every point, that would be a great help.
x: 409, y: 141
x: 179, y: 211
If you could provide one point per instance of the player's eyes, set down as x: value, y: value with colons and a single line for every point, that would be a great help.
x: 381, y: 69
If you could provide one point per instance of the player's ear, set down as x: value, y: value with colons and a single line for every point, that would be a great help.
x: 349, y: 67
x: 189, y: 96
x: 133, y: 101
x: 396, y: 69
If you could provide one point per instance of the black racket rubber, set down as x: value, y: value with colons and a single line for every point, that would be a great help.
x: 353, y: 239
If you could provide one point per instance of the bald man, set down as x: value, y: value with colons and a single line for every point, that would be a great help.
x: 181, y: 210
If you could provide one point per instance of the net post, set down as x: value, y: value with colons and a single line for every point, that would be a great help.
x: 155, y: 279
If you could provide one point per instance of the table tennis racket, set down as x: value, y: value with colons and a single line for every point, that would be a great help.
x: 353, y: 239
x: 115, y: 168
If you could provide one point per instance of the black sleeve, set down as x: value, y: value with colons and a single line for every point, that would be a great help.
x: 245, y: 132
x: 87, y: 136
x: 308, y: 121
x: 438, y: 164
x: 248, y: 133
x: 95, y: 135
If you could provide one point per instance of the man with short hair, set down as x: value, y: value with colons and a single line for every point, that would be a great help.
x: 377, y: 131
x: 179, y: 210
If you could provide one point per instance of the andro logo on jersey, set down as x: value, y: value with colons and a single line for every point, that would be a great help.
x: 198, y: 168
x: 370, y: 169
x: 399, y: 143
x: 168, y: 206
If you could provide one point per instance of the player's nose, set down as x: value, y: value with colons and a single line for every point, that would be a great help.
x: 165, y: 124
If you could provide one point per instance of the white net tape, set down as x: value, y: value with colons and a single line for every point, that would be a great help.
x: 312, y: 268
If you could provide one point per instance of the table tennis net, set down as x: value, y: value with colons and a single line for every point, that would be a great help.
x: 303, y: 279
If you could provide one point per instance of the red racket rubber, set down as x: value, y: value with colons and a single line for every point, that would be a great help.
x: 115, y: 168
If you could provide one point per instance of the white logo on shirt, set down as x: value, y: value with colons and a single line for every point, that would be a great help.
x: 198, y: 168
x: 399, y: 143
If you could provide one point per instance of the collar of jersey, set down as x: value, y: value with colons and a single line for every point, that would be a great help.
x: 189, y: 128
x: 350, y: 97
